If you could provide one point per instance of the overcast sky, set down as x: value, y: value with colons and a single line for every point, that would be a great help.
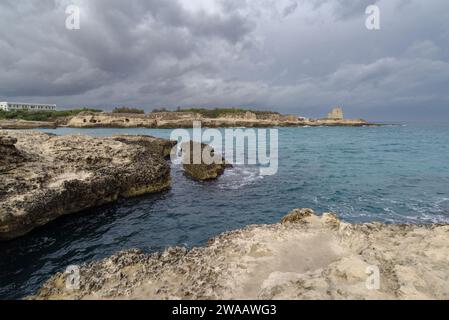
x: 293, y: 56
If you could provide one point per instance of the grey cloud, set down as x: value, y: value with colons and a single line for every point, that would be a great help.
x: 345, y: 9
x: 424, y: 49
x: 296, y: 56
x: 290, y: 8
x: 117, y: 40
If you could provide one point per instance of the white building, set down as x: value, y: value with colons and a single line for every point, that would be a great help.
x: 8, y: 106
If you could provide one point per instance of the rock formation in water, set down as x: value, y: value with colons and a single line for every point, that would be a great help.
x: 303, y: 257
x: 201, y: 162
x: 44, y: 176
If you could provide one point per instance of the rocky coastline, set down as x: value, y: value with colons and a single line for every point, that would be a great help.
x: 305, y: 256
x: 170, y: 120
x: 43, y: 176
x: 24, y: 124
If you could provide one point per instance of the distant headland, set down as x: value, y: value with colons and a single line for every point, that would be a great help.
x: 161, y: 118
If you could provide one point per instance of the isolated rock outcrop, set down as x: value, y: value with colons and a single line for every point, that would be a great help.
x: 201, y: 162
x: 304, y: 257
x: 44, y: 176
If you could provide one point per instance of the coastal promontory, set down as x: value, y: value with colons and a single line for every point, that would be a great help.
x: 44, y: 176
x: 208, y: 118
x: 182, y: 118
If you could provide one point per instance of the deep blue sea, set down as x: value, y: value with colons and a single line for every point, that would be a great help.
x: 395, y: 174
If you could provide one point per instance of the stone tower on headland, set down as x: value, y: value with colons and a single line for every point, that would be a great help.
x: 336, y: 114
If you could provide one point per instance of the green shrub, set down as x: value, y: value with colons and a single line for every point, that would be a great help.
x: 128, y: 110
x: 42, y: 115
x: 217, y: 112
x: 160, y: 110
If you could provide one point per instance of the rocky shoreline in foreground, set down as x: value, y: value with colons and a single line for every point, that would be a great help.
x: 305, y: 256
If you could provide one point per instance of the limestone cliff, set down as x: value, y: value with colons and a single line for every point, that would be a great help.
x: 109, y: 120
x: 186, y: 119
x: 43, y: 176
x: 24, y: 124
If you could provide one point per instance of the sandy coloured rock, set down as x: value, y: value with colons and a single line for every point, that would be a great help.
x: 304, y: 257
x: 25, y: 124
x: 186, y: 120
x: 201, y: 162
x: 43, y: 176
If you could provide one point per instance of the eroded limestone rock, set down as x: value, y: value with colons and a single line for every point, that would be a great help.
x: 45, y: 176
x: 297, y: 215
x: 9, y: 155
x: 305, y: 257
x: 201, y: 162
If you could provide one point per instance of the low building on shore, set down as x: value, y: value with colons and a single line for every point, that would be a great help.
x: 11, y: 106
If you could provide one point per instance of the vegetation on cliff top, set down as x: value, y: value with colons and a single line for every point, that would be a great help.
x: 128, y: 110
x: 50, y: 115
x: 217, y: 112
x: 43, y: 115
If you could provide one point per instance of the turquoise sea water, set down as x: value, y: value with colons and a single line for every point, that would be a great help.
x: 394, y: 174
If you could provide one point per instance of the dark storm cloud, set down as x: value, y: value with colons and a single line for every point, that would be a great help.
x: 290, y: 8
x: 298, y: 56
x: 117, y: 40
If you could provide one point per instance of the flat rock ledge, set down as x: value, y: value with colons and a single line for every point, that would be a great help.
x: 303, y: 257
x: 25, y: 124
x: 43, y: 176
x: 201, y: 162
